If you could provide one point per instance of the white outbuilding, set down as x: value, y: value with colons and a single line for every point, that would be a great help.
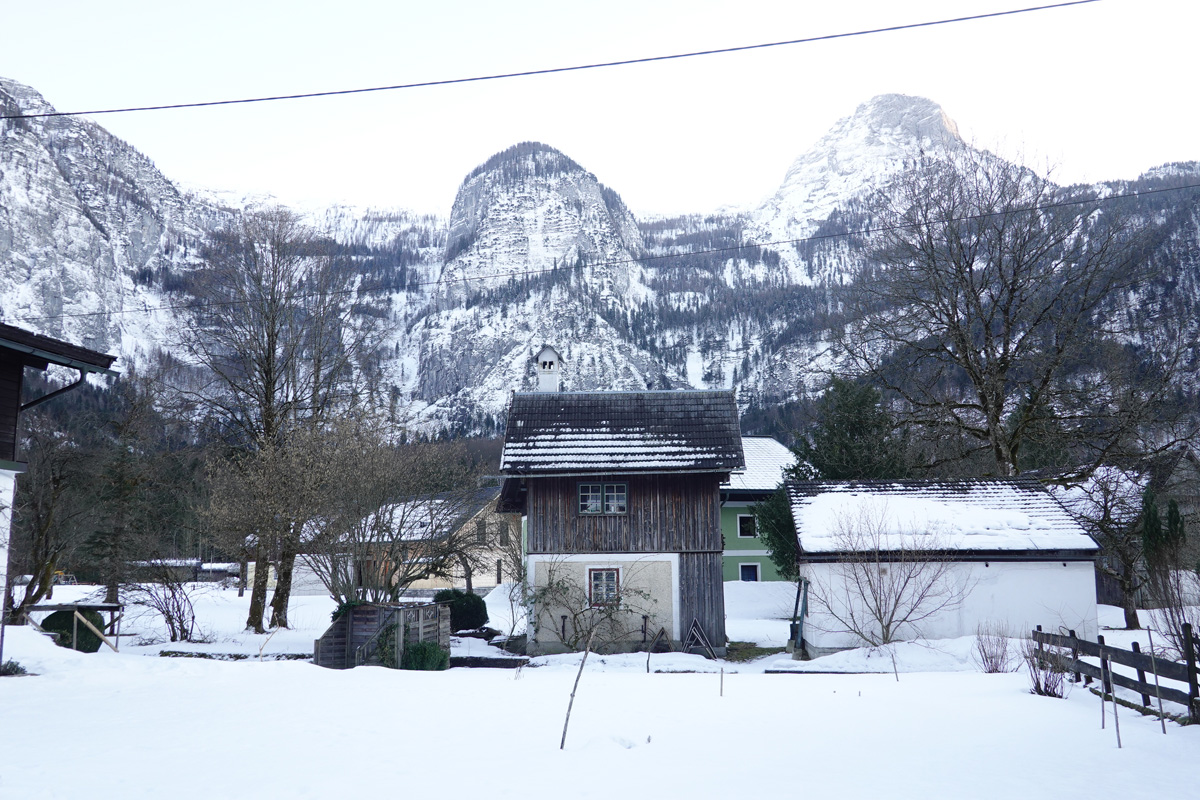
x: 937, y: 559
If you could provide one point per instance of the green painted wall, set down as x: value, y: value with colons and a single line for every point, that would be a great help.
x: 754, y: 550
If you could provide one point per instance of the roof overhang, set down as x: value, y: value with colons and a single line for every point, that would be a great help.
x: 41, y: 351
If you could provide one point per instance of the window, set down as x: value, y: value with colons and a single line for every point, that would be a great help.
x: 614, y: 498
x: 746, y: 526
x: 603, y: 498
x: 604, y: 586
x: 749, y: 572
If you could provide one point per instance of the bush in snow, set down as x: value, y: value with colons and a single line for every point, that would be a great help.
x: 63, y: 623
x: 1047, y: 669
x: 992, y: 647
x: 424, y: 656
x: 468, y: 611
x: 11, y: 667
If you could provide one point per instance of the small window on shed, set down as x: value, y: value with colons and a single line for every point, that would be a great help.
x: 746, y: 526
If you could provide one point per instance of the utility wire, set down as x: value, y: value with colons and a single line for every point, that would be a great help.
x: 556, y: 70
x: 198, y: 305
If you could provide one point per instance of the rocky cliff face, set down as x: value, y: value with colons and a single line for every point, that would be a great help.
x: 85, y: 220
x: 531, y: 208
x: 858, y: 156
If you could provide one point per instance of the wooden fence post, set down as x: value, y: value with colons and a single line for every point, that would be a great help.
x: 1075, y: 654
x: 1141, y: 673
x: 1189, y: 655
x: 1105, y: 681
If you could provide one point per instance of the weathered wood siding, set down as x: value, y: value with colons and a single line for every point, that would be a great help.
x: 666, y: 514
x: 702, y: 595
x: 11, y: 374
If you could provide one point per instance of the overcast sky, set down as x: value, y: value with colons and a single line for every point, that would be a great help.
x: 1101, y: 91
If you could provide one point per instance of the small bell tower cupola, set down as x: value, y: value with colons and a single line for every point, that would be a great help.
x: 549, y: 370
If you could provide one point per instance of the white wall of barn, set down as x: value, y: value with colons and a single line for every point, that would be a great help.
x: 1017, y: 594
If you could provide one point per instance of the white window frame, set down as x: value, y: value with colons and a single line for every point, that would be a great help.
x: 741, y: 535
x: 757, y: 571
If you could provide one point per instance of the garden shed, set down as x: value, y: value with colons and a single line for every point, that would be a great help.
x: 999, y: 552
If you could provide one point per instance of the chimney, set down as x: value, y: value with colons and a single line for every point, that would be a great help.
x: 549, y: 369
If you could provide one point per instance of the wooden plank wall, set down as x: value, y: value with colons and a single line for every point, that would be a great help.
x: 11, y: 376
x: 667, y: 514
x: 702, y: 595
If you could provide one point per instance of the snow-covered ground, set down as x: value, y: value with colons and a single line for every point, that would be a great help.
x: 129, y: 726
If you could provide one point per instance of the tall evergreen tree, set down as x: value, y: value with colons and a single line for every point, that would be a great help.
x: 854, y: 436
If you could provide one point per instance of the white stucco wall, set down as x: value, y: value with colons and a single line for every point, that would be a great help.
x: 1020, y: 595
x: 8, y: 487
x: 655, y: 574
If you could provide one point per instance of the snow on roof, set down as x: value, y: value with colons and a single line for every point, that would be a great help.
x: 595, y: 432
x: 766, y: 462
x: 967, y: 515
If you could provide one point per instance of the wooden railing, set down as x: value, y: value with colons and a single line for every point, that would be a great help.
x: 1159, y: 668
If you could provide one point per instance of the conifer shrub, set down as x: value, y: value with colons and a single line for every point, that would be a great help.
x: 11, y: 667
x: 468, y: 611
x: 424, y: 656
x: 63, y: 623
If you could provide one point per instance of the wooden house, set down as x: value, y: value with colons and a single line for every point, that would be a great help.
x: 20, y: 350
x: 767, y: 462
x: 1003, y: 549
x: 621, y: 495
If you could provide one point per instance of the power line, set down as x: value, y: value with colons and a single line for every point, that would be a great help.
x: 197, y: 305
x: 557, y: 70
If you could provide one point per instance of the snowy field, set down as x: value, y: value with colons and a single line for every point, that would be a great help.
x: 133, y: 725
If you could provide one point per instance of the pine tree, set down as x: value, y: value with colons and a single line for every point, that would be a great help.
x: 854, y: 436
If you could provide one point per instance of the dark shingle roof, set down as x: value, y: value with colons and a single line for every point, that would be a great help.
x: 594, y: 432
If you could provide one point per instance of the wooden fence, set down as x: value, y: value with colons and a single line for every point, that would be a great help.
x: 1144, y: 663
x: 368, y: 634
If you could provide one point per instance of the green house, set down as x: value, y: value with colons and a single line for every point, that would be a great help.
x: 745, y: 555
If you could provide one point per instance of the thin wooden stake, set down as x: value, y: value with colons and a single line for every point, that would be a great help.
x: 1162, y: 720
x: 1103, y: 682
x: 722, y: 681
x: 1116, y: 719
x: 587, y: 646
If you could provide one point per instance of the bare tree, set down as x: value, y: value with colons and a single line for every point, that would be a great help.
x: 1108, y: 504
x: 886, y: 582
x: 50, y: 511
x: 279, y: 341
x: 389, y: 514
x: 988, y: 311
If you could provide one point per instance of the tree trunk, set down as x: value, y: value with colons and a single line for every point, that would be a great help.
x: 1129, y: 588
x: 466, y: 565
x: 283, y: 587
x: 258, y: 591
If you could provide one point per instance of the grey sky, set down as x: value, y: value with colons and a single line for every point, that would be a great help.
x: 1101, y: 91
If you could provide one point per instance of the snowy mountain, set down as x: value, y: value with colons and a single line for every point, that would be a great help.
x: 85, y: 222
x: 535, y: 250
x: 859, y: 155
